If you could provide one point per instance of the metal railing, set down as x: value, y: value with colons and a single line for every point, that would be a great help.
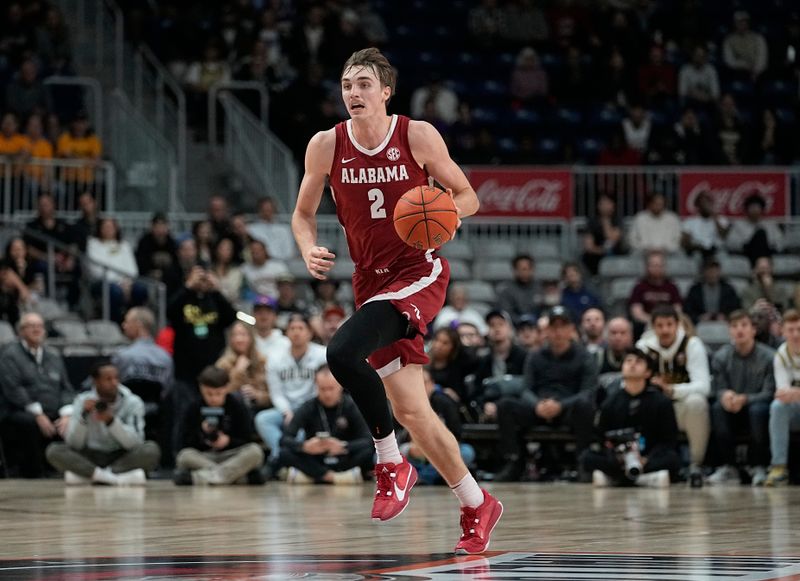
x: 22, y: 181
x: 257, y: 155
x: 234, y: 86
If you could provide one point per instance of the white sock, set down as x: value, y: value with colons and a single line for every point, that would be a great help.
x: 468, y: 492
x: 388, y: 452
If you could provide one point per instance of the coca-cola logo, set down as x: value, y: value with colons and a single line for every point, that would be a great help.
x: 729, y: 200
x: 535, y: 196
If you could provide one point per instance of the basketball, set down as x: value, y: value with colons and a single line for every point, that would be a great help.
x: 425, y: 217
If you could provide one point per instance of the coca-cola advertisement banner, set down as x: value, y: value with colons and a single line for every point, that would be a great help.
x: 729, y: 190
x: 523, y: 193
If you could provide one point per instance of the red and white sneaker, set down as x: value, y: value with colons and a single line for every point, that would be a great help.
x: 394, y: 484
x: 477, y: 525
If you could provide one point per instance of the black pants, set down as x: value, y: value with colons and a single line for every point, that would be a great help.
x: 607, y: 461
x: 753, y: 419
x: 315, y: 466
x: 515, y: 418
x: 24, y: 444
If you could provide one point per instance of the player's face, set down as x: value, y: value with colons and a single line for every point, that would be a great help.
x: 362, y: 92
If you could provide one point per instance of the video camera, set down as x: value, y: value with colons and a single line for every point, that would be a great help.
x: 212, y: 416
x: 625, y: 443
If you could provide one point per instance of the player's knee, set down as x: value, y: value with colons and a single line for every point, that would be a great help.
x: 339, y: 353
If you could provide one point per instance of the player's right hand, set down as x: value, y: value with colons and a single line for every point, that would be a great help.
x: 319, y: 261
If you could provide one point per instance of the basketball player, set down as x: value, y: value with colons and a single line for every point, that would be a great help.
x: 370, y: 161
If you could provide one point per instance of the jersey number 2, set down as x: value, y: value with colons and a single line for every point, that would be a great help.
x: 376, y: 210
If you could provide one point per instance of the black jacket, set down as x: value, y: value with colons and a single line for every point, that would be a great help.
x: 564, y: 378
x: 650, y: 413
x: 695, y: 306
x: 515, y: 365
x: 199, y: 321
x: 343, y: 422
x: 156, y: 259
x: 236, y: 423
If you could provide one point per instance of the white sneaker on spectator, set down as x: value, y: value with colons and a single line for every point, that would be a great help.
x: 72, y: 479
x: 132, y: 478
x: 600, y: 480
x: 104, y: 476
x: 352, y: 476
x: 295, y: 476
x: 724, y: 475
x: 759, y: 476
x: 658, y: 479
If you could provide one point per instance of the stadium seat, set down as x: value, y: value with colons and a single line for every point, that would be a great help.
x: 785, y: 265
x: 621, y: 289
x: 457, y: 250
x: 493, y: 271
x: 541, y: 248
x: 738, y: 284
x: 792, y: 239
x: 501, y: 249
x: 681, y: 266
x: 49, y: 309
x: 80, y: 351
x: 459, y: 270
x: 621, y: 266
x: 548, y: 270
x: 297, y: 268
x: 713, y: 333
x: 72, y: 331
x: 480, y: 290
x: 735, y: 266
x: 482, y: 308
x: 7, y: 334
x: 684, y: 284
x: 342, y: 269
x: 105, y: 332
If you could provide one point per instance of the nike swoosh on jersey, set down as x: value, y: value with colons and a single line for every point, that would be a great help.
x: 347, y: 160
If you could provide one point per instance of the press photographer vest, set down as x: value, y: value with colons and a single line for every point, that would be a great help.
x: 675, y: 370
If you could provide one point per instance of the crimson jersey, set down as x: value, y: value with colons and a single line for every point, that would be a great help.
x: 366, y: 184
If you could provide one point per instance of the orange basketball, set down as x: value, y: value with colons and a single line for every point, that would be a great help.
x: 425, y: 217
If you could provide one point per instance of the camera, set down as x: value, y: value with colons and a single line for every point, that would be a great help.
x: 100, y: 406
x: 212, y: 416
x: 625, y: 443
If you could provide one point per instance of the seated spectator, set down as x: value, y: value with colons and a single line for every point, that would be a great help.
x: 635, y: 405
x: 616, y: 85
x: 471, y: 339
x: 240, y: 237
x: 619, y: 338
x: 201, y: 75
x: 657, y: 78
x: 767, y: 319
x: 636, y: 127
x: 288, y: 300
x: 36, y: 397
x: 592, y: 330
x: 36, y: 148
x: 447, y: 410
x: 223, y: 265
x: 732, y: 133
x: 458, y: 310
x: 528, y: 335
x: 104, y: 442
x: 269, y: 339
x: 444, y: 99
x: 53, y: 39
x: 25, y: 275
x: 450, y: 364
x: 46, y: 223
x: 785, y: 408
x: 603, y: 234
x: 26, y: 94
x: 86, y: 226
x: 574, y: 294
x: 706, y: 232
x: 156, y: 253
x: 681, y: 373
x: 712, y: 298
x: 79, y: 143
x: 764, y: 288
x: 698, y: 82
x: 337, y: 441
x: 290, y: 376
x: 276, y: 236
x: 12, y: 142
x: 112, y: 260
x: 560, y: 381
x: 654, y: 289
x: 573, y: 82
x: 262, y: 271
x: 246, y: 367
x: 743, y: 50
x: 186, y: 259
x: 744, y: 386
x: 687, y: 142
x: 217, y: 447
x: 204, y: 239
x: 655, y: 228
x: 529, y: 80
x: 330, y: 321
x: 753, y: 236
x: 521, y: 295
x: 504, y: 359
x: 772, y: 144
x: 143, y: 363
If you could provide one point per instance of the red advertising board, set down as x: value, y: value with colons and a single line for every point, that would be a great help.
x: 523, y: 193
x: 729, y: 190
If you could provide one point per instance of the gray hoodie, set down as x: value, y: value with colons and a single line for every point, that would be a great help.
x: 125, y: 432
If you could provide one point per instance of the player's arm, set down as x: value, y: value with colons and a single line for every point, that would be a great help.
x: 319, y: 158
x: 430, y: 151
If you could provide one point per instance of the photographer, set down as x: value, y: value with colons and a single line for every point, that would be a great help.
x: 217, y: 447
x: 341, y: 443
x: 105, y: 436
x: 642, y: 422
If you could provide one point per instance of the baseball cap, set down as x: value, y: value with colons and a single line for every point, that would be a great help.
x: 499, y: 313
x: 527, y: 321
x: 285, y: 277
x: 333, y: 310
x: 561, y: 313
x: 265, y: 301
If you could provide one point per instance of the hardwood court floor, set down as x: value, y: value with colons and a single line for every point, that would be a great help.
x: 46, y: 519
